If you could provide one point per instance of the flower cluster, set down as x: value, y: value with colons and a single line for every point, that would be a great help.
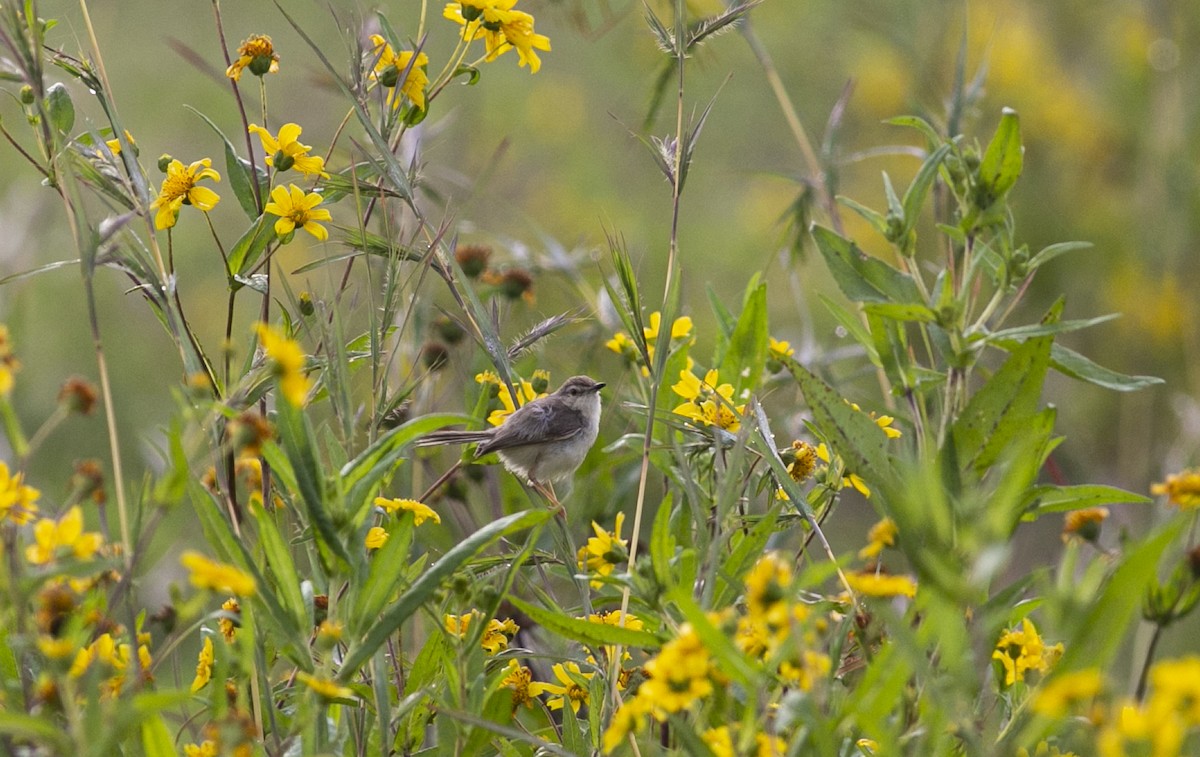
x: 501, y: 28
x: 709, y: 402
x: 495, y: 636
x: 623, y: 344
x: 526, y: 391
x: 1020, y: 651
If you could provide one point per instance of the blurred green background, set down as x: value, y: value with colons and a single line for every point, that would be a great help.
x: 542, y: 167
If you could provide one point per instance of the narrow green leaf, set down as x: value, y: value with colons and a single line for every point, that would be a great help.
x: 1002, y: 161
x: 729, y: 660
x: 424, y: 587
x: 1053, y: 251
x: 852, y: 325
x: 747, y: 353
x: 1021, y: 333
x: 919, y: 313
x: 250, y: 245
x: 1071, y: 363
x: 585, y: 631
x: 745, y: 550
x: 1057, y: 499
x: 279, y: 558
x: 662, y: 544
x: 921, y: 125
x: 918, y: 190
x: 156, y: 737
x: 877, y: 220
x: 387, y: 567
x: 861, y: 277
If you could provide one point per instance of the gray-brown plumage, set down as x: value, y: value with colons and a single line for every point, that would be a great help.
x: 544, y: 440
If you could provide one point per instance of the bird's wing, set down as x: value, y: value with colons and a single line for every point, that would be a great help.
x: 535, y: 423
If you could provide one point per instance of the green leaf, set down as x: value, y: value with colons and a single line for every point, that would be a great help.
x: 59, y: 108
x: 920, y: 124
x: 851, y: 433
x: 156, y: 737
x: 918, y: 190
x: 861, y: 277
x: 746, y: 548
x: 247, y: 249
x: 387, y: 567
x: 919, y: 313
x: 662, y: 544
x: 1057, y: 499
x: 1002, y: 161
x: 729, y: 660
x: 852, y: 325
x: 1021, y: 333
x: 279, y: 558
x: 241, y: 174
x: 424, y: 587
x: 585, y: 631
x: 747, y: 353
x: 39, y: 729
x: 877, y: 220
x: 1071, y: 363
x: 1007, y: 401
x: 1053, y: 251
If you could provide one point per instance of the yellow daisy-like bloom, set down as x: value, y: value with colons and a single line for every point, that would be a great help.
x: 768, y: 585
x: 709, y: 402
x: 55, y: 649
x: 1182, y: 489
x: 229, y: 626
x: 871, y: 585
x: 9, y: 365
x: 1021, y: 651
x: 571, y: 693
x: 179, y: 189
x: 289, y: 362
x: 324, y: 687
x: 604, y: 551
x: 852, y: 480
x: 18, y: 502
x: 525, y: 394
x: 1084, y: 524
x: 720, y: 741
x: 256, y: 53
x: 622, y: 345
x: 114, y: 145
x: 779, y: 350
x: 501, y: 28
x: 297, y: 209
x: 204, y: 665
x: 680, y: 328
x: 769, y: 746
x: 1141, y: 729
x: 678, y: 675
x: 203, y: 749
x: 1056, y: 697
x: 376, y: 538
x: 421, y: 511
x: 882, y: 534
x: 390, y: 65
x: 1176, y: 686
x: 285, y: 152
x: 628, y: 719
x: 217, y: 576
x: 51, y: 535
x: 495, y: 636
x: 524, y: 688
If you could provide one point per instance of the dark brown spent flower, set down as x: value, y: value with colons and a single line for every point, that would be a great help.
x: 397, y: 416
x: 248, y: 431
x: 165, y: 618
x: 87, y: 482
x: 77, y: 395
x: 473, y: 259
x: 55, y: 603
x: 231, y: 692
x: 448, y: 329
x: 45, y: 693
x: 516, y: 283
x: 803, y: 462
x: 435, y: 355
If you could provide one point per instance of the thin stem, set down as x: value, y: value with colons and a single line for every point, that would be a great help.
x: 237, y: 95
x: 1144, y: 678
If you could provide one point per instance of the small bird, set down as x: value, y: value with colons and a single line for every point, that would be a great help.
x: 542, y: 441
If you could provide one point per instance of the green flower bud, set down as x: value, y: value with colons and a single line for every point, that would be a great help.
x: 27, y: 96
x: 390, y: 76
x: 164, y: 160
x: 306, y: 304
x: 282, y: 161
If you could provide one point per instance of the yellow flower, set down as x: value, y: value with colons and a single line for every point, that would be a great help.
x: 871, y: 585
x: 525, y: 394
x: 325, y: 688
x: 204, y: 665
x: 18, y: 502
x: 520, y: 679
x: 295, y: 208
x: 9, y: 365
x: 572, y: 692
x: 50, y: 535
x: 376, y: 538
x: 229, y: 626
x: 1182, y: 489
x: 1056, y: 696
x: 285, y: 151
x: 882, y: 534
x: 678, y: 675
x: 256, y: 53
x: 803, y: 673
x: 1084, y: 524
x: 114, y: 145
x: 390, y: 65
x: 778, y: 350
x: 1022, y: 651
x: 203, y: 749
x: 770, y: 746
x: 1136, y: 727
x: 850, y: 479
x: 719, y: 741
x: 628, y: 719
x: 289, y: 362
x: 1176, y: 687
x: 421, y: 511
x: 708, y: 402
x: 179, y: 189
x: 680, y: 328
x: 604, y: 551
x: 209, y: 574
x: 495, y: 635
x: 867, y: 746
x: 768, y: 587
x: 501, y: 28
x: 55, y: 649
x: 804, y: 461
x: 622, y: 344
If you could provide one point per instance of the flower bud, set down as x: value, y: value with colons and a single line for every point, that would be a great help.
x: 449, y: 330
x: 329, y: 633
x: 282, y: 161
x: 306, y: 304
x: 389, y: 76
x: 473, y: 259
x: 435, y: 355
x: 515, y: 283
x: 27, y: 96
x: 164, y: 160
x: 77, y: 396
x: 540, y: 381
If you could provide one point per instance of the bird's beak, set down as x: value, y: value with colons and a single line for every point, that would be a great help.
x: 599, y: 386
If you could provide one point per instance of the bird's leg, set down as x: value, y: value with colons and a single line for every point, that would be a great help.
x: 547, y: 491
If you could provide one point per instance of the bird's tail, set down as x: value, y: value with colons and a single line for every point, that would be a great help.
x: 453, y: 437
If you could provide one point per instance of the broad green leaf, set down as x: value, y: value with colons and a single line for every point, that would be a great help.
x: 919, y: 313
x: 1002, y: 161
x: 861, y: 277
x: 747, y: 353
x: 1008, y: 400
x: 852, y: 325
x: 59, y: 108
x: 279, y: 558
x: 241, y: 174
x: 1075, y: 365
x: 430, y: 581
x: 851, y: 433
x: 1057, y: 499
x: 156, y: 737
x: 585, y: 631
x: 250, y: 245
